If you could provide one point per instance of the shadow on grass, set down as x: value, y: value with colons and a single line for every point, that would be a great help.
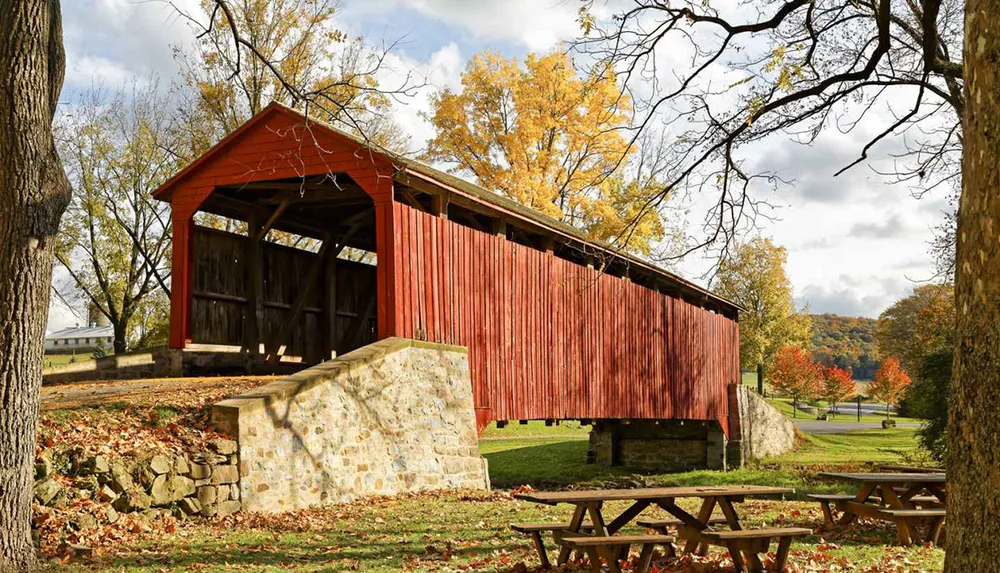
x: 561, y: 464
x: 317, y: 551
x: 550, y: 463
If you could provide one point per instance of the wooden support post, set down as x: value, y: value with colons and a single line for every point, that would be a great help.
x: 386, y: 248
x: 180, y: 279
x: 439, y: 205
x: 498, y: 226
x: 547, y: 244
x: 255, y: 286
x: 329, y: 320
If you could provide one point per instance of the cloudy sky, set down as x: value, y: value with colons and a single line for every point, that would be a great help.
x: 855, y: 243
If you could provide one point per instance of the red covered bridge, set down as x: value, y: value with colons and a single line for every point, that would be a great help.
x: 557, y: 326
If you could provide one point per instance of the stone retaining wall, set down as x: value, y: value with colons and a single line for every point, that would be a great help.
x: 395, y: 416
x: 662, y: 445
x: 203, y: 483
x: 756, y: 430
x: 763, y: 430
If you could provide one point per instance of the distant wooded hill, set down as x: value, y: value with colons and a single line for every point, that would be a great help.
x: 845, y: 341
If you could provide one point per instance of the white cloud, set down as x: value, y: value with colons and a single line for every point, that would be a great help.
x: 538, y: 25
x: 892, y: 227
x: 86, y: 69
x: 855, y: 243
x: 115, y: 40
x: 441, y: 70
x: 847, y: 300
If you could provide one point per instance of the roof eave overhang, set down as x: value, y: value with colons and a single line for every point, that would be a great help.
x: 691, y: 289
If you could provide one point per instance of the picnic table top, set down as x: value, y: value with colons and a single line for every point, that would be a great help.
x: 585, y: 496
x: 889, y: 477
x: 912, y: 469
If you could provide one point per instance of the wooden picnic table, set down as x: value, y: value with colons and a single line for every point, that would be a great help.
x: 896, y: 491
x: 912, y: 469
x: 592, y: 503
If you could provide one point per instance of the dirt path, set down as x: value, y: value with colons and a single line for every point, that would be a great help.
x: 79, y: 394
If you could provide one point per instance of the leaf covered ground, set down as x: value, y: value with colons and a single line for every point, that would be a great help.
x: 439, y: 531
x: 121, y: 421
x: 134, y: 418
x: 464, y: 532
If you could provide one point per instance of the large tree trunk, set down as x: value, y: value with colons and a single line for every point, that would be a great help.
x: 121, y: 337
x: 34, y: 192
x: 760, y: 379
x: 974, y: 405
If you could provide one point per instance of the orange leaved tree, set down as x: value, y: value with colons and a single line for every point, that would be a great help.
x: 889, y: 382
x: 838, y: 385
x: 795, y: 374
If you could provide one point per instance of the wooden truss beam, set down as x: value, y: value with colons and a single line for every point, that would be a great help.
x: 411, y: 200
x: 243, y: 210
x: 259, y: 235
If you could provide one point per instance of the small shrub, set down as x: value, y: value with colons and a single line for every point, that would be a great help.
x: 100, y: 351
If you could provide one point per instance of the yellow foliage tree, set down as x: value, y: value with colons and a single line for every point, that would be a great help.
x: 545, y: 137
x: 297, y: 46
x: 754, y: 278
x: 918, y: 325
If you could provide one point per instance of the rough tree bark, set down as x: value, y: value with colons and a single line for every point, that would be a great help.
x: 34, y: 192
x: 120, y: 344
x: 974, y: 426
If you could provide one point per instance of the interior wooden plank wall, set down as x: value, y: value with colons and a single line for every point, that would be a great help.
x: 549, y: 338
x: 219, y: 296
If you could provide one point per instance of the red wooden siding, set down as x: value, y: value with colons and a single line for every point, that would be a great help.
x: 549, y: 338
x: 277, y: 143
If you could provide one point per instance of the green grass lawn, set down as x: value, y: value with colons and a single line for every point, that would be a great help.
x: 536, y: 429
x: 51, y: 360
x: 469, y: 532
x: 455, y: 532
x: 899, y: 445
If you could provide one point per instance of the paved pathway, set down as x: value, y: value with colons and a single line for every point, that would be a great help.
x: 835, y: 427
x: 866, y: 408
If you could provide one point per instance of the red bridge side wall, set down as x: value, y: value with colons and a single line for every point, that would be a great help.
x: 549, y: 338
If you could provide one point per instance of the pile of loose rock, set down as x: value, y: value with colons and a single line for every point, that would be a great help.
x: 205, y: 483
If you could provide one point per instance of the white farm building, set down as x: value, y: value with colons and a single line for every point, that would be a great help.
x: 79, y: 338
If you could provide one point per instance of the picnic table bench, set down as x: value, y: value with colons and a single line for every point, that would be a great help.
x: 611, y: 548
x: 911, y: 500
x: 597, y: 536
